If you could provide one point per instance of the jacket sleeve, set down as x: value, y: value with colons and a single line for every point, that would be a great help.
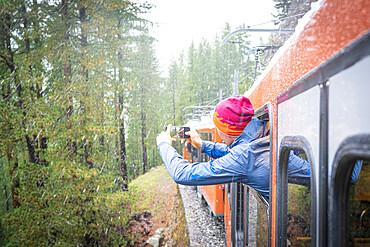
x: 223, y: 170
x: 214, y: 150
x: 356, y: 171
x: 298, y: 167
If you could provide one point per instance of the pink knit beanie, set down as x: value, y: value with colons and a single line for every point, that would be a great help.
x: 233, y: 114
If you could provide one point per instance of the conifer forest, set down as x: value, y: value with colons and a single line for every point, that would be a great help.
x: 82, y: 101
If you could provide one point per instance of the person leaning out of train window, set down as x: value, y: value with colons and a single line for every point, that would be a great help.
x: 243, y: 157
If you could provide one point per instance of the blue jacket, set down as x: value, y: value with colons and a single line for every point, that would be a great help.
x: 246, y: 161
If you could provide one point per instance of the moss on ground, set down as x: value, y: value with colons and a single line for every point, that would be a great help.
x: 159, y: 195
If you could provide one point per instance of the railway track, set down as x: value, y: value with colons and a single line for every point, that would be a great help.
x: 204, y: 228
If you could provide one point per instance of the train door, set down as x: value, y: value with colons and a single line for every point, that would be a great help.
x: 348, y: 145
x: 247, y: 211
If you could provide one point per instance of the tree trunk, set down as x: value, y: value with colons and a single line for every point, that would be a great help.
x: 6, y: 198
x: 122, y: 144
x: 72, y: 149
x: 87, y: 146
x: 121, y: 121
x: 143, y: 136
x: 15, y: 180
x: 11, y: 65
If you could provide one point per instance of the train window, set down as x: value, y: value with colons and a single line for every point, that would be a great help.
x: 238, y: 214
x: 228, y: 193
x: 298, y: 205
x: 258, y: 223
x: 202, y: 156
x: 350, y: 193
x: 295, y: 185
x: 359, y: 205
x: 206, y: 157
x: 298, y: 209
x: 258, y: 207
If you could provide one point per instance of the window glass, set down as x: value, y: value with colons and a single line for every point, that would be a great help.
x: 262, y: 219
x: 359, y: 206
x: 252, y: 217
x: 240, y: 207
x: 298, y: 201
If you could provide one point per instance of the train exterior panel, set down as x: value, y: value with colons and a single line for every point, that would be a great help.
x: 315, y: 96
x: 227, y: 213
x: 334, y: 26
x: 214, y: 194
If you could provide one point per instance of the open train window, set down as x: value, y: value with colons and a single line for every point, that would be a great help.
x: 298, y: 208
x: 295, y: 201
x: 238, y: 214
x: 359, y: 205
x: 263, y: 114
x: 261, y: 209
x: 350, y: 191
x: 250, y: 210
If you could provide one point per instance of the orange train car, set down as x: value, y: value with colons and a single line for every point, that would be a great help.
x: 321, y: 73
x: 315, y: 95
x: 213, y: 195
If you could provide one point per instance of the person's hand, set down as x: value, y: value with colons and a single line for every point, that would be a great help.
x: 165, y: 136
x: 194, y: 138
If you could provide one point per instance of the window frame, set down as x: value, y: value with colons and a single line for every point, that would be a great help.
x: 353, y: 148
x: 260, y: 112
x: 289, y: 143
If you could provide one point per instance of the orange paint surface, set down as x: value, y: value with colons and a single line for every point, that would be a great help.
x: 227, y: 220
x: 214, y: 196
x: 334, y: 26
x: 213, y: 193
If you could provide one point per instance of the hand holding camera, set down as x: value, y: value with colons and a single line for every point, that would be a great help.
x: 165, y: 136
x: 194, y: 139
x: 180, y: 132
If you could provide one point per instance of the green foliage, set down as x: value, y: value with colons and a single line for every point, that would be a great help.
x: 61, y: 178
x: 71, y: 207
x: 209, y: 69
x: 282, y: 7
x: 81, y: 104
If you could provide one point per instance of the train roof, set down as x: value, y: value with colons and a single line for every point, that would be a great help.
x: 292, y: 39
x: 205, y: 122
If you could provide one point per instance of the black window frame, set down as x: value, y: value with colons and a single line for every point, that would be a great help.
x: 356, y: 147
x: 289, y: 143
x: 261, y: 113
x: 238, y: 190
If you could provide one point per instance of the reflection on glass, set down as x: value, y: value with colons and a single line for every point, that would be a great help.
x: 257, y: 220
x: 359, y: 208
x: 262, y: 225
x: 252, y: 218
x: 299, y: 201
x: 240, y: 207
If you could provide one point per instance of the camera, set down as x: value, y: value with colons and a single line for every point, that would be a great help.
x: 178, y: 132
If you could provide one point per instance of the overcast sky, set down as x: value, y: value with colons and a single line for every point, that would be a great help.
x: 178, y: 23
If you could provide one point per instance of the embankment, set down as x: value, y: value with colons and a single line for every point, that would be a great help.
x: 159, y: 209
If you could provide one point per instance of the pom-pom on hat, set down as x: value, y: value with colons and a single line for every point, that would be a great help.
x: 233, y: 114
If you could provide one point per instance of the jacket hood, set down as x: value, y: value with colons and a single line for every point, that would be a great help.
x: 253, y: 131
